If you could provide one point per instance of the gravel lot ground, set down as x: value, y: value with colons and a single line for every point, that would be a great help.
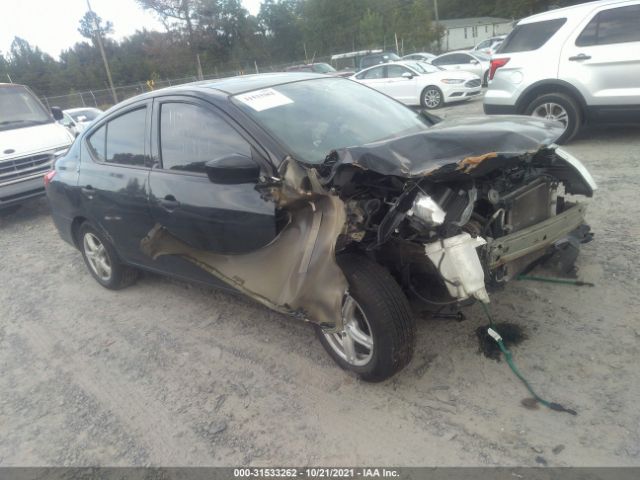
x: 168, y: 373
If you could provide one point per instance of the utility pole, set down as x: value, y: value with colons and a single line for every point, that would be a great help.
x: 437, y: 15
x: 104, y: 57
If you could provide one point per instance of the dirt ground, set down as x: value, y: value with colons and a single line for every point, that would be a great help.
x: 169, y: 373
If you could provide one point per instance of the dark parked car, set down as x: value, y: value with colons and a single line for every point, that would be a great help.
x: 319, y: 198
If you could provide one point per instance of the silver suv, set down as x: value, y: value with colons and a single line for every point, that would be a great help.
x: 571, y: 64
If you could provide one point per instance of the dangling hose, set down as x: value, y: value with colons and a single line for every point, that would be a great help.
x: 509, y: 358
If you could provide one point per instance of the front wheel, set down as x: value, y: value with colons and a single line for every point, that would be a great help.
x: 432, y: 98
x: 378, y: 335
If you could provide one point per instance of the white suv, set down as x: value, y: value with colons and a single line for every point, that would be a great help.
x: 571, y: 64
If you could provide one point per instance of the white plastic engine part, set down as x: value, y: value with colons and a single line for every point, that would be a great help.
x: 460, y: 266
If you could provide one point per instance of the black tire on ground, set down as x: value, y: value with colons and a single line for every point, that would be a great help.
x: 485, y: 79
x: 121, y: 275
x: 387, y: 312
x: 435, y: 90
x: 574, y: 114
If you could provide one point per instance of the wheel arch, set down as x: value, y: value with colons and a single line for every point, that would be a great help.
x: 544, y: 87
x: 75, y: 228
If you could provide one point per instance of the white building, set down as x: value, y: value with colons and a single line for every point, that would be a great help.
x: 465, y: 33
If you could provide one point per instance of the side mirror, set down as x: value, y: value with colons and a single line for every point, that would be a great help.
x: 57, y: 113
x: 232, y: 169
x: 475, y: 62
x: 407, y: 75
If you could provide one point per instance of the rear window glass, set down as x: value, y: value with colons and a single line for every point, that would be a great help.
x: 530, y: 36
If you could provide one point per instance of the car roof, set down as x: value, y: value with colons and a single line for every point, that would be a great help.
x: 80, y: 109
x: 579, y: 10
x: 224, y: 87
x: 456, y: 51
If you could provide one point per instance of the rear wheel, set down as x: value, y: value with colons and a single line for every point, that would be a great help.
x: 102, y: 260
x: 559, y: 107
x: 432, y: 97
x: 378, y: 335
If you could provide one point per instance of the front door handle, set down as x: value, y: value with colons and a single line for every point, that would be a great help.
x: 580, y: 57
x: 169, y: 203
x: 89, y: 191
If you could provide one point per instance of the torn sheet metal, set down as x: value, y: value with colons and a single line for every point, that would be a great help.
x: 459, y: 144
x: 296, y: 273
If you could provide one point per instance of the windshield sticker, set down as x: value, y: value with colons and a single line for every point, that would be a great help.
x: 264, y: 99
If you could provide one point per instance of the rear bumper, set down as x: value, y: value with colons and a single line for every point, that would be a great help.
x: 24, y: 189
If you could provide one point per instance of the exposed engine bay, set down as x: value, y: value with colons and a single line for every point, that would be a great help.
x: 452, y: 213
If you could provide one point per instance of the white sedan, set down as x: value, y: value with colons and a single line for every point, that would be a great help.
x: 472, y: 62
x: 417, y: 83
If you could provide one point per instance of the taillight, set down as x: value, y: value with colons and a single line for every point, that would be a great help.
x: 48, y: 177
x: 496, y: 63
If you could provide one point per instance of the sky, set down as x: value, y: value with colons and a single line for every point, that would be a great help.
x: 52, y: 25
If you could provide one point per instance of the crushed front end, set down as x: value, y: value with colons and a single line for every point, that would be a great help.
x: 452, y: 227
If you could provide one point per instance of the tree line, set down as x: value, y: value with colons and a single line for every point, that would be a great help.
x: 221, y: 36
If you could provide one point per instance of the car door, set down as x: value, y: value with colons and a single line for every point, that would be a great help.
x: 374, y: 77
x: 113, y: 179
x: 402, y: 88
x: 221, y: 218
x: 602, y: 58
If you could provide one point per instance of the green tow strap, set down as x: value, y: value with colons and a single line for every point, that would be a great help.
x: 509, y: 358
x: 563, y: 281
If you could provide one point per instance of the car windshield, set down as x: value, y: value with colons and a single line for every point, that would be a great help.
x: 323, y: 68
x: 19, y: 108
x: 88, y: 115
x: 311, y: 118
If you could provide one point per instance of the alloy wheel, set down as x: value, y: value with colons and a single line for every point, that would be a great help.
x: 432, y: 98
x: 354, y: 344
x: 97, y: 256
x: 552, y: 111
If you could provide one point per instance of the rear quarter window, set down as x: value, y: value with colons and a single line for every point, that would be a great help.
x: 530, y: 36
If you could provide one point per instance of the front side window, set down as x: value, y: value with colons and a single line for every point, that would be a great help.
x: 617, y: 25
x: 191, y: 135
x: 531, y: 36
x: 121, y: 140
x: 395, y: 71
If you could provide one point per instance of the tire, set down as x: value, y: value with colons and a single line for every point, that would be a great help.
x: 552, y: 105
x: 102, y: 261
x: 383, y: 312
x: 429, y: 96
x: 485, y: 79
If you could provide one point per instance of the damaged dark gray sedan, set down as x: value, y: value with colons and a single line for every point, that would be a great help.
x: 319, y: 198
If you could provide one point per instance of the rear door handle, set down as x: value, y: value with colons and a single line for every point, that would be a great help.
x: 169, y: 203
x: 580, y: 57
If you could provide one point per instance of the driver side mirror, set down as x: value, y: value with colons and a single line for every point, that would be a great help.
x: 57, y: 113
x: 232, y: 169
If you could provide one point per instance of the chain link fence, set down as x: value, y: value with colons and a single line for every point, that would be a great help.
x: 103, y: 98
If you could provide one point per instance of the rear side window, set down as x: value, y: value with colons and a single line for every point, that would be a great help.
x: 372, y: 74
x: 191, y: 135
x: 617, y: 25
x: 121, y: 140
x: 530, y: 36
x: 453, y: 59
